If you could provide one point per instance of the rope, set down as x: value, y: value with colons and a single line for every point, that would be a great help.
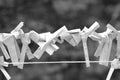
x: 56, y: 62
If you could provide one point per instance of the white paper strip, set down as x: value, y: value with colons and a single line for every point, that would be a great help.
x: 5, y: 53
x: 93, y: 27
x: 99, y: 49
x: 114, y: 65
x: 5, y: 73
x: 85, y: 34
x: 39, y: 52
x: 15, y: 31
x: 118, y: 45
x: 111, y: 36
x: 104, y: 55
x: 10, y: 43
x: 25, y: 41
x: 22, y: 55
x: 2, y: 68
x: 86, y: 52
x: 110, y: 73
x: 75, y: 37
x: 34, y: 36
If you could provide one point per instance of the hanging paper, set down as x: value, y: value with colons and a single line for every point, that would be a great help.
x: 38, y: 53
x: 35, y: 36
x: 105, y: 53
x: 29, y: 53
x: 114, y: 65
x: 118, y: 45
x: 85, y: 34
x: 25, y: 41
x: 100, y: 48
x: 75, y: 37
x: 15, y: 31
x: 9, y: 41
x: 2, y: 68
x: 3, y: 47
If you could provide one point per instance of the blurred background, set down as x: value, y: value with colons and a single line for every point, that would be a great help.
x: 50, y: 15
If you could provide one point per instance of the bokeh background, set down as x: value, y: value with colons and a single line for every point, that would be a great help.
x: 50, y: 15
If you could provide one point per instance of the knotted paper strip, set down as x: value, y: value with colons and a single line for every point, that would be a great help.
x: 114, y: 65
x: 118, y: 45
x: 3, y: 47
x: 25, y: 49
x: 104, y: 56
x: 2, y: 68
x: 9, y: 41
x: 47, y: 43
x: 76, y: 37
x: 85, y: 34
x: 44, y: 45
x: 15, y: 31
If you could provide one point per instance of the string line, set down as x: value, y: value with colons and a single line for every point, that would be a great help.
x: 56, y: 62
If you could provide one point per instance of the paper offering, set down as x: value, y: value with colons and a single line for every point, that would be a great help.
x: 5, y: 53
x: 100, y: 48
x: 34, y: 36
x: 75, y: 37
x: 86, y: 52
x: 118, y: 45
x: 2, y: 68
x: 108, y: 36
x: 43, y: 45
x: 114, y: 65
x: 10, y: 43
x: 85, y: 34
x: 47, y: 43
x: 15, y: 31
x: 104, y: 54
x: 25, y: 49
x: 5, y: 73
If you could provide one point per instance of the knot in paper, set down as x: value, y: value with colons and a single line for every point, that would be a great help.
x: 112, y: 35
x: 115, y: 64
x: 17, y: 31
x: 95, y: 36
x: 25, y: 38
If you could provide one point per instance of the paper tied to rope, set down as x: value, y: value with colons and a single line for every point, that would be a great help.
x: 48, y: 44
x: 75, y: 37
x: 10, y: 41
x: 2, y: 46
x: 95, y: 36
x: 118, y: 45
x: 85, y: 34
x: 2, y: 63
x: 115, y: 64
x: 104, y: 47
x: 15, y: 31
x: 117, y: 38
x: 25, y: 49
x: 71, y: 36
x: 102, y: 39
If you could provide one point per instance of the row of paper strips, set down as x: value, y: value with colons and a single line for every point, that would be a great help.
x: 47, y: 43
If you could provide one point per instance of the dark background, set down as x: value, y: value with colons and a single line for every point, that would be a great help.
x: 50, y: 15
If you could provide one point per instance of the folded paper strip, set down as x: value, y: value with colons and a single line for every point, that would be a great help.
x: 47, y: 43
